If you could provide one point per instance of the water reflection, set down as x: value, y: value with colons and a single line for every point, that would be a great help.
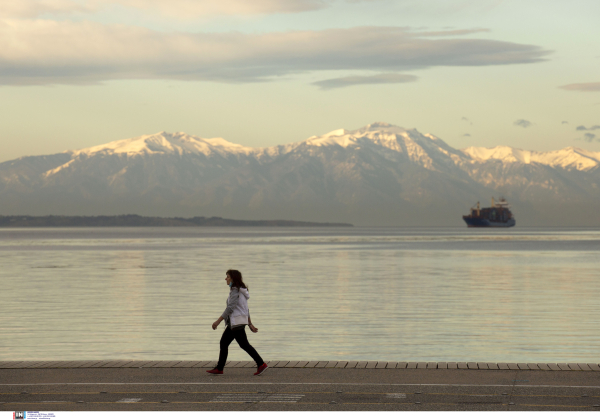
x: 353, y: 295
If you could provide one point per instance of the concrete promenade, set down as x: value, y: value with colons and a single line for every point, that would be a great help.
x: 123, y: 385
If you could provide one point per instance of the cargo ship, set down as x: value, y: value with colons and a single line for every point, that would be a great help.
x: 499, y: 215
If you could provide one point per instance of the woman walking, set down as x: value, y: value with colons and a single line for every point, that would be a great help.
x: 236, y: 317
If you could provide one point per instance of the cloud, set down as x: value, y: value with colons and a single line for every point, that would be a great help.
x: 196, y: 8
x: 446, y: 8
x: 467, y: 120
x: 186, y: 9
x: 35, y: 8
x: 48, y: 52
x: 589, y: 137
x: 466, y: 135
x: 565, y: 122
x: 582, y: 87
x: 523, y: 123
x: 454, y: 32
x: 592, y: 128
x: 377, y: 79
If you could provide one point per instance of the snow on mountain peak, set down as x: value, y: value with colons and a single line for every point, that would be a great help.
x: 336, y: 133
x: 166, y: 143
x: 418, y: 147
x: 382, y: 126
x: 503, y: 153
x: 378, y: 132
x: 380, y: 129
x: 570, y: 157
x: 340, y: 137
x: 386, y: 138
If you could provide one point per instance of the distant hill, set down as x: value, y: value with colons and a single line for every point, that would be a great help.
x: 380, y: 174
x: 136, y: 220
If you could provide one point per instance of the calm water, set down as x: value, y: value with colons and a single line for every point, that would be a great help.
x: 437, y: 294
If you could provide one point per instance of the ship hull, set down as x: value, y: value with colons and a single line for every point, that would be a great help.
x: 478, y: 222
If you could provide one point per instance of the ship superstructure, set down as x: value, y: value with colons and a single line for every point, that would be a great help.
x: 498, y: 215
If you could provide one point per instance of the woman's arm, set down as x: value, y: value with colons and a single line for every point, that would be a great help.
x: 234, y: 296
x: 217, y: 322
x: 252, y: 327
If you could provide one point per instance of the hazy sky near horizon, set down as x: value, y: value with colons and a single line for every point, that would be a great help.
x: 75, y: 73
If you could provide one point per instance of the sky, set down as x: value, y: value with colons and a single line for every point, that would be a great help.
x: 75, y: 74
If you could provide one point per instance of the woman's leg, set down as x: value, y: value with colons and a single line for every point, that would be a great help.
x: 242, y: 340
x: 226, y: 340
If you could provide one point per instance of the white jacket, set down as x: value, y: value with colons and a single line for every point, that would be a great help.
x: 237, y: 311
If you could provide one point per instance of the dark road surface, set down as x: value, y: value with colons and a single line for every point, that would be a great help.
x: 284, y: 389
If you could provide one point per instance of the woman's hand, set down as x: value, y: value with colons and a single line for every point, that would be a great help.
x: 253, y: 328
x: 216, y: 323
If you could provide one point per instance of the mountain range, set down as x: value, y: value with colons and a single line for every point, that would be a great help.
x: 380, y: 174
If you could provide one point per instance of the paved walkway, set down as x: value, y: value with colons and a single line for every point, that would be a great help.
x: 322, y: 386
x: 80, y: 364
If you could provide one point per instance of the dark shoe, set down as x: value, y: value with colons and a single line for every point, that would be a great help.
x: 261, y: 369
x: 215, y: 371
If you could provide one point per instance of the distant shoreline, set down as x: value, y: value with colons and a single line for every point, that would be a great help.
x: 133, y: 220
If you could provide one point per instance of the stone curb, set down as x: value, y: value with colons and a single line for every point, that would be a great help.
x: 174, y: 364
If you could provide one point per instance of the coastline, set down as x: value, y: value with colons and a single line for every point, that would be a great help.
x: 134, y: 220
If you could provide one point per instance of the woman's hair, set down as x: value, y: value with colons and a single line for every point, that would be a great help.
x: 236, y: 278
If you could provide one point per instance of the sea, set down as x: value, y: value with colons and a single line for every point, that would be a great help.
x: 326, y: 293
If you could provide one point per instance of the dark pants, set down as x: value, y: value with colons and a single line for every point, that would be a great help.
x: 239, y: 334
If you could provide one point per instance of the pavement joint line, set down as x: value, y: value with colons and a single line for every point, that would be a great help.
x: 300, y: 384
x: 481, y: 395
x: 292, y: 393
x: 320, y: 393
x: 542, y: 405
x: 136, y: 392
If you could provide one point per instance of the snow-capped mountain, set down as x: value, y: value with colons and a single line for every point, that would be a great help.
x: 568, y: 158
x: 378, y: 174
x: 166, y: 143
